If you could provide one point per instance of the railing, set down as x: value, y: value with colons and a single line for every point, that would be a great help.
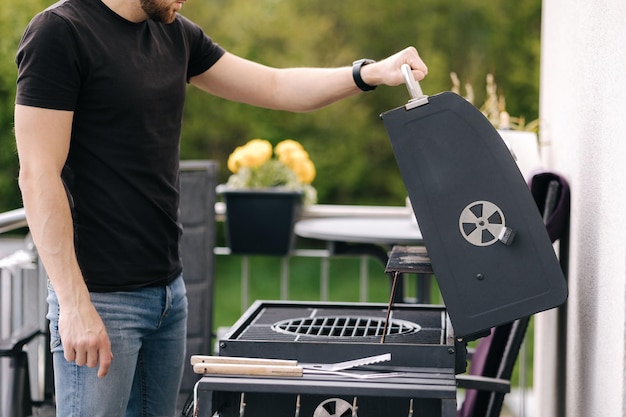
x: 323, y: 254
x: 22, y: 302
x: 335, y: 210
x: 12, y: 220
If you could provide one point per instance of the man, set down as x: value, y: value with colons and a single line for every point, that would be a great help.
x: 101, y: 86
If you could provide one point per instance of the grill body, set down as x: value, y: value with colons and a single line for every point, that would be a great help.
x: 419, y: 336
x: 419, y: 339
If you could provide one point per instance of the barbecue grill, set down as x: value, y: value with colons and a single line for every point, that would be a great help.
x: 419, y: 338
x: 490, y: 253
x: 319, y: 332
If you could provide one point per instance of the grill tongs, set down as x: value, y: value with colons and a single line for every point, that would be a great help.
x: 229, y: 365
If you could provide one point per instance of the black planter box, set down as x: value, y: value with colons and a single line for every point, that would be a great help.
x: 260, y: 222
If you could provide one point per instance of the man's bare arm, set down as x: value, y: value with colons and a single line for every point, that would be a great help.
x: 299, y: 89
x: 43, y: 138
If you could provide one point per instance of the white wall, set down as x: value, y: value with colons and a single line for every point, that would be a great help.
x: 583, y: 135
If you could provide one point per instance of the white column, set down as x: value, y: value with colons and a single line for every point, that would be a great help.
x: 582, y: 111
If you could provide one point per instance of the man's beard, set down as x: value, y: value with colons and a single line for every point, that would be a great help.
x: 157, y: 11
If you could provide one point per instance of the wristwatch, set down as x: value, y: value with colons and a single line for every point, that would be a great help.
x: 356, y: 74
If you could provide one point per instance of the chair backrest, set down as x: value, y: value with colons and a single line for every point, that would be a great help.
x: 198, y: 180
x: 496, y: 354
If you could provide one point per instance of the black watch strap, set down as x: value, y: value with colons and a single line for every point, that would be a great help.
x: 356, y: 74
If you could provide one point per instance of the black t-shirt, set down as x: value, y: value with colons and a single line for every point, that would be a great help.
x: 126, y: 84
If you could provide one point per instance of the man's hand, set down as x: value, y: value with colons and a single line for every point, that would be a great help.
x: 388, y: 71
x: 85, y: 339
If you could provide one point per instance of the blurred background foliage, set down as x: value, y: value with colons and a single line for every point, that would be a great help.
x: 347, y: 140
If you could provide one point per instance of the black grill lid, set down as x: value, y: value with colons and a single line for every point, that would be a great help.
x: 489, y: 248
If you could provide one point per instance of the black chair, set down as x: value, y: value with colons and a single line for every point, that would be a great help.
x: 198, y: 180
x: 491, y: 368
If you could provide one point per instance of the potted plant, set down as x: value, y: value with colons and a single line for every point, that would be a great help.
x: 264, y: 195
x: 519, y: 136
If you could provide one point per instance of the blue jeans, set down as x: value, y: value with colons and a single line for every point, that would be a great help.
x: 147, y: 328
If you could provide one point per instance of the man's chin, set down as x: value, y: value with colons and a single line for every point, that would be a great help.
x: 163, y: 18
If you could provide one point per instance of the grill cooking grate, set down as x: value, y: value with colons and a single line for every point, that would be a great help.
x: 344, y: 326
x: 362, y: 323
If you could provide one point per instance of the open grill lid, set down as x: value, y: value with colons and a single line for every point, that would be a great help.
x: 489, y: 248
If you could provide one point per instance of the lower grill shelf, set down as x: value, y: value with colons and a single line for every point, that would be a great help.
x: 429, y: 392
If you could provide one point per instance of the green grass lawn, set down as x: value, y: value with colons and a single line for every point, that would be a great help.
x: 304, y: 282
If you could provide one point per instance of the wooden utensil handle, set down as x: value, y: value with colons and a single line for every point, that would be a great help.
x: 242, y: 361
x: 244, y: 369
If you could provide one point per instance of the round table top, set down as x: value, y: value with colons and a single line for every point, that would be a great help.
x: 362, y: 229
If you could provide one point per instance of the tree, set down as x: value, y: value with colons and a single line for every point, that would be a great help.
x: 347, y: 140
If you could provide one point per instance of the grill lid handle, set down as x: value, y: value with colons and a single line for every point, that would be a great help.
x: 415, y: 91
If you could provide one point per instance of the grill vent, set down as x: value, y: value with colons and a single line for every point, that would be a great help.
x: 344, y: 326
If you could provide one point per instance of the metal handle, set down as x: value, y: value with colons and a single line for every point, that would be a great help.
x: 415, y: 91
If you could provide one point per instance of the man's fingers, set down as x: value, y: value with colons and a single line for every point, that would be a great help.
x: 70, y: 355
x: 92, y: 358
x: 419, y: 69
x: 105, y: 363
x: 91, y: 353
x: 80, y: 357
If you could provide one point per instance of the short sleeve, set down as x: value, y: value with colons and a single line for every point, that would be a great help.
x: 48, y: 64
x: 203, y: 51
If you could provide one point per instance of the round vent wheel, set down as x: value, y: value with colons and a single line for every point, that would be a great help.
x: 334, y: 407
x: 481, y: 222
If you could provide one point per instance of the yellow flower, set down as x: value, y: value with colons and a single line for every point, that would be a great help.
x: 251, y: 155
x: 252, y: 166
x: 292, y: 154
x: 287, y: 146
x: 305, y: 171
